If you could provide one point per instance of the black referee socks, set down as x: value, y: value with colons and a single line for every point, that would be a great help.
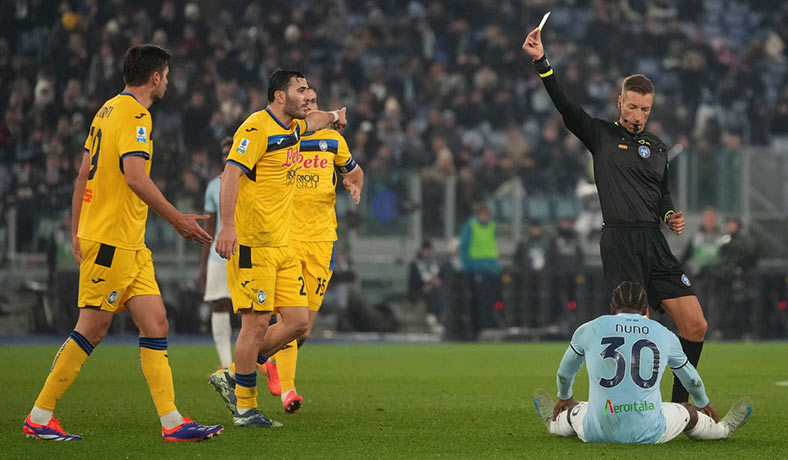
x: 692, y: 350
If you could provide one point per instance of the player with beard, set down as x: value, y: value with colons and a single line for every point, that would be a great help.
x: 256, y: 205
x: 313, y: 236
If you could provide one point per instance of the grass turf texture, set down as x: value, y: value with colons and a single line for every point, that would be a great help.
x: 375, y: 401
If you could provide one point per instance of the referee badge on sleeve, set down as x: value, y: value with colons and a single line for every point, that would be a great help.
x: 685, y: 279
x: 644, y: 151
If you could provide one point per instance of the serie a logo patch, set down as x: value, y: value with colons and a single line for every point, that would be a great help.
x: 142, y: 134
x: 242, y: 146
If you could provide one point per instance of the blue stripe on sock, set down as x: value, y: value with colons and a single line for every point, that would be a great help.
x: 154, y: 343
x: 83, y: 343
x: 246, y: 380
x: 261, y: 358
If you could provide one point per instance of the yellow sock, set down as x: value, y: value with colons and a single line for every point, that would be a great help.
x: 261, y: 359
x: 157, y: 373
x: 286, y: 360
x: 246, y: 391
x: 65, y: 368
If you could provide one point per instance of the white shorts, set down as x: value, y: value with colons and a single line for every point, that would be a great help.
x: 216, y: 281
x: 676, y: 418
x: 576, y: 419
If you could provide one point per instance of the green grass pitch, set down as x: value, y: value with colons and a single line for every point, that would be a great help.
x: 376, y: 401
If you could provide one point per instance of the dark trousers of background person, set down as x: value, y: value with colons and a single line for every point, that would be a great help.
x: 458, y: 299
x: 707, y: 287
x: 532, y: 294
x: 737, y: 298
x: 485, y: 293
x: 563, y: 287
x: 436, y: 302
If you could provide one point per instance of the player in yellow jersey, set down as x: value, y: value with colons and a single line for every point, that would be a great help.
x: 313, y: 232
x: 256, y: 203
x: 110, y: 206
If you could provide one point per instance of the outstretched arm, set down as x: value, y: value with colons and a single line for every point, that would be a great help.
x: 691, y: 380
x: 317, y: 119
x: 575, y: 118
x: 138, y: 181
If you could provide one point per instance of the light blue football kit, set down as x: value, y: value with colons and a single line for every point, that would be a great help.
x: 626, y: 355
x: 212, y: 206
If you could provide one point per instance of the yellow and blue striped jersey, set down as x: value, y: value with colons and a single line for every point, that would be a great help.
x: 268, y: 152
x: 314, y: 217
x: 111, y: 212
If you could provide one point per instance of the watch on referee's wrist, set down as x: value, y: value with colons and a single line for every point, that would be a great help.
x: 541, y: 65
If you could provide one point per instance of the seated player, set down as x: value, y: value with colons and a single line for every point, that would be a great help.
x: 626, y: 354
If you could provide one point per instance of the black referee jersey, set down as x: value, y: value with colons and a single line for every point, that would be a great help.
x: 631, y: 171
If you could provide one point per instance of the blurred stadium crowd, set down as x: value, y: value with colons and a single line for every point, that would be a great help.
x: 441, y: 87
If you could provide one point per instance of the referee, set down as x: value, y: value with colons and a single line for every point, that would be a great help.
x: 631, y: 174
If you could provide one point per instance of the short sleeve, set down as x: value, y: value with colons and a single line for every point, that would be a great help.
x: 91, y: 133
x: 248, y: 147
x: 343, y: 159
x: 211, y: 205
x: 134, y: 136
x: 302, y: 126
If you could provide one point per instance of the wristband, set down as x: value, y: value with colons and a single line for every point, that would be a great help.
x: 542, y: 65
x: 667, y: 214
x: 336, y: 116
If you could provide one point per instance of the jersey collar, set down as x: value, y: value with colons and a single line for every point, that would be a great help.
x: 637, y: 137
x: 630, y: 314
x: 126, y: 93
x: 276, y: 119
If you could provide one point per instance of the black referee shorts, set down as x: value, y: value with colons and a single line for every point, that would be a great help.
x: 640, y: 253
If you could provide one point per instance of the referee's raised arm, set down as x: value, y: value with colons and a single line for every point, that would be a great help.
x: 575, y: 118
